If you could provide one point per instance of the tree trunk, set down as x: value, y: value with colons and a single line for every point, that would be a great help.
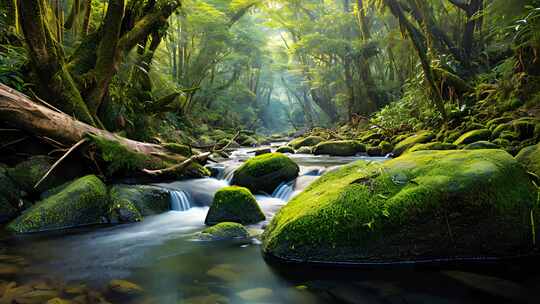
x: 18, y: 111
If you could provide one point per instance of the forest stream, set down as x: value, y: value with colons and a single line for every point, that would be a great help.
x: 164, y: 257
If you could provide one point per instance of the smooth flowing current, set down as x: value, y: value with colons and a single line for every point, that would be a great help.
x: 162, y: 255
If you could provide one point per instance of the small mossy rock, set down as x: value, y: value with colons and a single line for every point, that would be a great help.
x: 224, y: 231
x: 452, y: 136
x: 386, y: 147
x: 509, y: 135
x: 179, y: 149
x: 305, y: 150
x: 339, y: 148
x: 285, y: 149
x: 148, y: 200
x: 27, y: 173
x: 375, y: 151
x: 481, y: 145
x: 400, y: 138
x: 473, y: 136
x: 471, y: 126
x: 501, y: 128
x: 266, y: 172
x: 432, y: 146
x: 234, y: 204
x: 530, y: 157
x: 124, y: 211
x: 83, y: 202
x: 10, y: 197
x: 371, y: 136
x: 494, y: 123
x: 524, y: 128
x: 262, y: 151
x: 247, y: 141
x: 309, y: 141
x: 501, y: 142
x: 124, y: 290
x: 419, y: 138
x: 400, y: 210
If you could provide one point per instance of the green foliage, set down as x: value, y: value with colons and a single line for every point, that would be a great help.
x: 12, y: 61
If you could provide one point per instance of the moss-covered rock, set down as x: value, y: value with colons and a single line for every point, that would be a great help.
x: 147, y: 200
x: 224, y: 231
x: 423, y: 205
x: 452, y: 136
x: 285, y: 149
x: 339, y: 148
x: 419, y: 138
x: 234, y: 204
x: 501, y: 128
x: 386, y: 147
x: 530, y: 157
x: 179, y: 149
x: 124, y: 211
x: 432, y: 146
x: 83, y: 202
x: 473, y: 136
x: 9, y: 197
x: 27, y: 173
x: 265, y: 172
x: 509, y: 135
x: 309, y: 141
x: 371, y: 136
x: 492, y: 124
x: 524, y: 128
x: 374, y: 151
x: 305, y: 150
x: 481, y: 145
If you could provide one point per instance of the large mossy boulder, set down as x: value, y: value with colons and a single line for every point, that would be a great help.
x: 309, y: 141
x: 473, y: 136
x: 224, y: 231
x: 148, y: 200
x: 423, y: 205
x: 339, y: 148
x: 530, y: 157
x: 82, y: 202
x: 419, y: 138
x: 266, y: 172
x: 234, y: 204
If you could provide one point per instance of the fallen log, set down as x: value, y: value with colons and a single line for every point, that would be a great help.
x: 119, y: 153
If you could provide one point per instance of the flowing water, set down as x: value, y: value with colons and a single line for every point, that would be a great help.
x: 163, y: 255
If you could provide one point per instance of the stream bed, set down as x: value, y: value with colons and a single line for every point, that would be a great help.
x: 163, y: 256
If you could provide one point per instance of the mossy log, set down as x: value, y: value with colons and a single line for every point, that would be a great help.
x: 122, y: 155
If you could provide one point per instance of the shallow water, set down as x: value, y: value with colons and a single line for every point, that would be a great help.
x: 163, y: 256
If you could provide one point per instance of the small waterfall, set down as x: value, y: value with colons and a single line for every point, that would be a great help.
x: 180, y: 201
x: 284, y: 191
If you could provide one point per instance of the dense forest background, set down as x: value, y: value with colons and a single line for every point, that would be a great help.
x: 177, y: 70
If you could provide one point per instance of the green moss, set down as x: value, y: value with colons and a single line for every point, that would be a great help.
x: 124, y: 211
x: 386, y: 147
x: 264, y: 173
x: 179, y: 149
x: 305, y: 150
x: 481, y: 145
x: 473, y: 136
x: 524, y: 128
x: 374, y: 151
x: 234, y: 204
x: 452, y: 136
x: 530, y: 157
x: 509, y: 135
x: 432, y: 146
x: 339, y: 148
x: 224, y: 231
x: 147, y: 199
x: 400, y: 138
x: 501, y: 128
x: 371, y: 136
x: 306, y: 142
x: 27, y: 173
x: 419, y: 138
x: 285, y: 149
x: 83, y: 202
x: 427, y: 204
x: 492, y: 124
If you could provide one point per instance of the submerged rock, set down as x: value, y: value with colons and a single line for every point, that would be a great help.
x: 224, y: 231
x: 419, y: 138
x: 266, y: 172
x: 234, y: 204
x: 255, y: 294
x: 306, y: 142
x: 473, y: 136
x: 530, y: 157
x: 82, y: 202
x: 148, y: 200
x: 285, y: 149
x: 122, y: 289
x: 423, y: 205
x: 339, y: 148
